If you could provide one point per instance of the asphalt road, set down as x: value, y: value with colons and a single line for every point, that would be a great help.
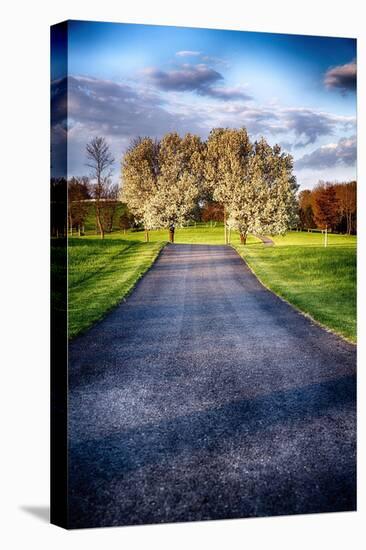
x: 204, y: 396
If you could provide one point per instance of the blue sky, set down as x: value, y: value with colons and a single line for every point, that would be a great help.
x: 127, y: 80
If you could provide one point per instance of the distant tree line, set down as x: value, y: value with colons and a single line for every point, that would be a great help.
x: 250, y: 186
x: 331, y: 206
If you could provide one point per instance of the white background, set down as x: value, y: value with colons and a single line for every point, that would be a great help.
x: 24, y: 306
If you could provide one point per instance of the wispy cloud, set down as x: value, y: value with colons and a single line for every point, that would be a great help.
x: 331, y: 155
x: 227, y: 94
x: 188, y: 53
x: 343, y: 77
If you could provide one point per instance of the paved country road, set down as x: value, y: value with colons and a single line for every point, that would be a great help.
x: 204, y: 396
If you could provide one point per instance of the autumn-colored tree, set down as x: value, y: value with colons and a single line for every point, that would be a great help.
x: 100, y: 161
x: 306, y: 215
x: 325, y: 206
x: 347, y: 204
x: 212, y: 212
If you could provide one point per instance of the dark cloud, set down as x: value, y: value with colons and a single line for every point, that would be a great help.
x: 343, y: 77
x: 329, y: 156
x: 200, y: 79
x: 193, y: 78
x: 308, y: 125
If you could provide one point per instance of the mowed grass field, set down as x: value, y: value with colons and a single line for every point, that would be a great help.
x: 201, y: 233
x: 101, y: 273
x: 319, y: 281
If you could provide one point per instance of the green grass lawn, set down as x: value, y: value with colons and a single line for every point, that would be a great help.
x: 101, y: 273
x: 319, y: 281
x: 201, y: 233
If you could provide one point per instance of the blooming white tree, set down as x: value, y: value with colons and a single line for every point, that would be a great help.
x: 259, y: 208
x: 277, y: 172
x: 162, y: 180
x: 172, y: 203
x: 254, y: 183
x: 140, y: 169
x: 180, y: 175
x: 227, y: 155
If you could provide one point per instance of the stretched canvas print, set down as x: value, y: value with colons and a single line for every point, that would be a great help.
x: 203, y: 242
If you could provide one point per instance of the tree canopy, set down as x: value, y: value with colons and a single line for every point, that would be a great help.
x: 163, y: 181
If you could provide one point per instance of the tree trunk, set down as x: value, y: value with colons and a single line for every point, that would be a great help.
x: 243, y: 238
x: 146, y: 235
x: 225, y: 228
x: 171, y: 236
x: 349, y: 223
x: 99, y: 221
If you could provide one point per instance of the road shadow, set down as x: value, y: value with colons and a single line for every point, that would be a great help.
x: 156, y: 460
x: 144, y: 445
